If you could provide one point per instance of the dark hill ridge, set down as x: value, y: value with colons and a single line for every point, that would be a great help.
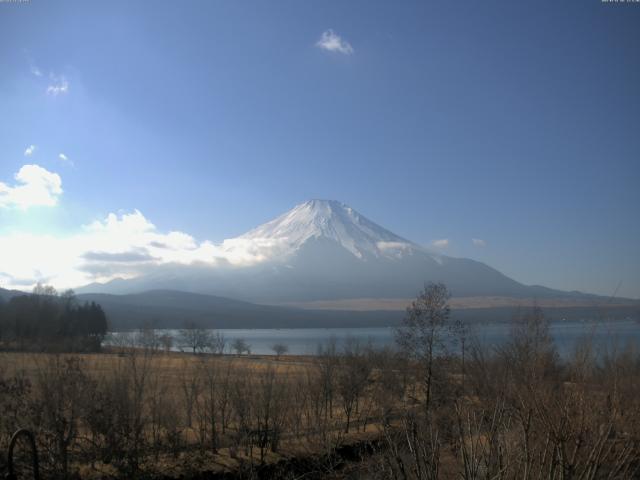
x: 6, y: 295
x: 172, y: 309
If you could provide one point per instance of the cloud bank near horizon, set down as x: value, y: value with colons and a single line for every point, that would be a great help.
x: 118, y: 246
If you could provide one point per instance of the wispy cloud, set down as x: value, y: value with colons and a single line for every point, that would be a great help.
x: 59, y: 85
x: 35, y: 186
x: 441, y: 243
x: 478, y: 242
x: 332, y: 42
x: 63, y: 158
x: 33, y: 68
x: 30, y: 150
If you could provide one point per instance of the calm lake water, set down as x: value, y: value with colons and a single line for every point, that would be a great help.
x: 305, y: 341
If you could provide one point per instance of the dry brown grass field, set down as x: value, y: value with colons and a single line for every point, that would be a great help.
x: 264, y: 397
x: 418, y: 412
x: 171, y: 366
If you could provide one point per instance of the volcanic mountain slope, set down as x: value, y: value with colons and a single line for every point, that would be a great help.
x: 324, y: 249
x: 336, y: 222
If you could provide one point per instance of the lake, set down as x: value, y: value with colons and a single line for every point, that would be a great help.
x: 305, y: 341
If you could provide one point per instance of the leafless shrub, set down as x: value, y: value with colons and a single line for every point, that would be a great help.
x: 60, y: 393
x: 209, y: 418
x: 15, y: 405
x: 190, y: 387
x: 117, y: 415
x: 352, y: 378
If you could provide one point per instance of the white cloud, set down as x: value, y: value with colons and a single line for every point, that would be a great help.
x: 118, y: 246
x: 35, y: 186
x: 36, y: 71
x: 442, y: 243
x: 332, y: 42
x: 393, y: 246
x: 478, y: 242
x: 30, y: 150
x: 394, y: 249
x: 65, y: 159
x: 59, y: 85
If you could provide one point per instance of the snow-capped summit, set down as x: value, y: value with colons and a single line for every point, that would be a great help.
x: 332, y: 220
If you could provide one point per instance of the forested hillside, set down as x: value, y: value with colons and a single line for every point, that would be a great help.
x: 46, y: 320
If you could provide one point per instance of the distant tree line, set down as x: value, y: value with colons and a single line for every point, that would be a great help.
x: 46, y: 320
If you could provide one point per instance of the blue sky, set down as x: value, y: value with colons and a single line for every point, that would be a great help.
x: 516, y: 123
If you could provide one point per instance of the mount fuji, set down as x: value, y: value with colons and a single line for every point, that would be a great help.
x: 325, y: 250
x: 336, y: 222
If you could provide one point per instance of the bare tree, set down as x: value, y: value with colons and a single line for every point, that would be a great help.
x: 240, y: 346
x: 147, y: 337
x: 421, y: 335
x: 117, y: 414
x: 269, y: 410
x: 530, y: 351
x: 160, y: 408
x: 327, y: 361
x: 222, y: 403
x: 279, y: 349
x: 15, y: 404
x: 166, y: 341
x: 122, y: 341
x: 209, y: 416
x: 190, y: 386
x: 352, y: 378
x: 196, y: 338
x: 218, y: 343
